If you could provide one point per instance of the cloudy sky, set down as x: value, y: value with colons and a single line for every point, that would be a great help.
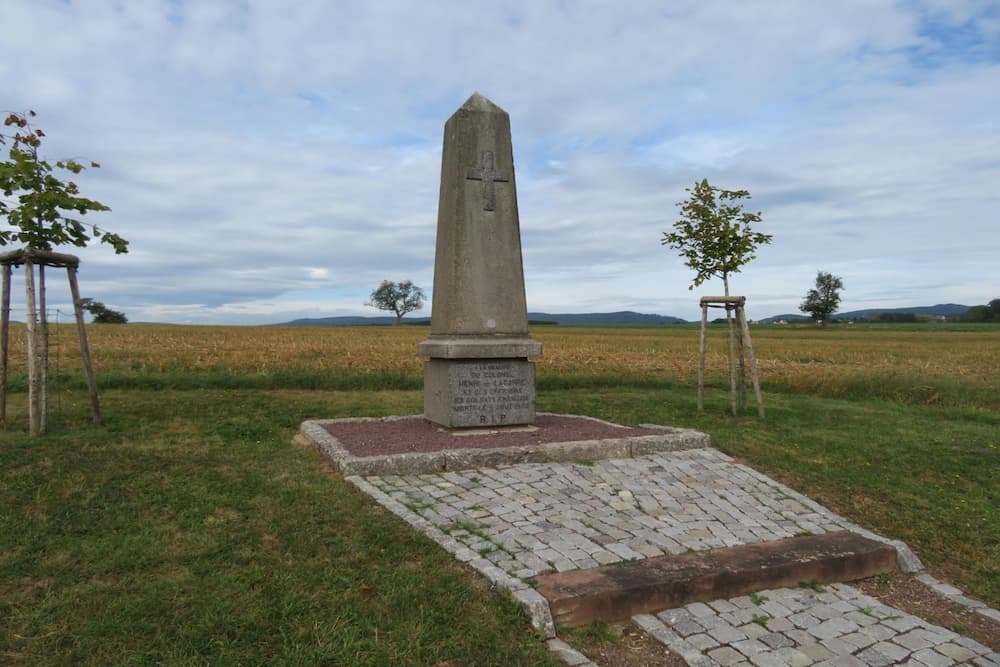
x: 270, y: 160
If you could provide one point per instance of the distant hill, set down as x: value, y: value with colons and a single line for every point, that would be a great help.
x: 350, y: 321
x: 595, y: 319
x: 946, y: 309
x: 588, y: 319
x: 787, y: 317
x: 949, y: 310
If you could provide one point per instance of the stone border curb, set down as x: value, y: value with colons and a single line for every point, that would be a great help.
x: 956, y: 595
x: 569, y: 655
x: 415, y: 463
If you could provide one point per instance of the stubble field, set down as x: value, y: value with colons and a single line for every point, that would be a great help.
x: 947, y: 365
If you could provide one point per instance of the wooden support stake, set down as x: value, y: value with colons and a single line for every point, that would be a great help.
x: 4, y: 340
x: 701, y: 358
x: 738, y: 343
x: 84, y: 349
x: 733, y: 399
x: 753, y: 362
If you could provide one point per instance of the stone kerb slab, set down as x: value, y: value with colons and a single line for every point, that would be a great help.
x: 465, y: 458
x: 617, y: 592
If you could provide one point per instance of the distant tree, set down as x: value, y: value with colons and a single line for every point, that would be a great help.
x: 987, y: 313
x: 400, y: 298
x: 714, y: 234
x: 977, y: 314
x: 822, y: 301
x: 102, y: 314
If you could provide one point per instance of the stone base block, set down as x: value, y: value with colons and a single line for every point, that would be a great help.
x: 462, y: 393
x: 617, y: 592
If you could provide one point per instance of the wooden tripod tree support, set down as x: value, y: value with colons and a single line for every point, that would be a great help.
x: 38, y: 332
x: 737, y: 379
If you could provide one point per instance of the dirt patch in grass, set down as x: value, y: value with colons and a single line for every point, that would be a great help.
x: 904, y: 592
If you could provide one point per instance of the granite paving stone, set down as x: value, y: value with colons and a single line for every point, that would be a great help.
x: 749, y: 647
x: 703, y: 641
x: 725, y: 655
x: 753, y: 630
x: 955, y: 652
x: 932, y: 658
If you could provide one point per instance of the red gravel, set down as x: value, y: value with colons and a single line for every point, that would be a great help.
x: 416, y: 434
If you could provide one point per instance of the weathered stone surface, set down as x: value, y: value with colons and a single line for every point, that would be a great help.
x: 478, y: 273
x: 479, y: 313
x: 589, y: 450
x: 672, y: 440
x: 464, y: 459
x: 479, y: 392
x: 399, y: 464
x: 617, y: 592
x: 478, y: 347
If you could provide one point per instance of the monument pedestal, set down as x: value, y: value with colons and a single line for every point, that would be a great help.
x: 479, y: 381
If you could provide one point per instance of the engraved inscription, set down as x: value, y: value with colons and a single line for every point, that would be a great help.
x: 491, y: 393
x: 489, y: 176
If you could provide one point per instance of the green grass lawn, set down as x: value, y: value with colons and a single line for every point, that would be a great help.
x: 190, y: 531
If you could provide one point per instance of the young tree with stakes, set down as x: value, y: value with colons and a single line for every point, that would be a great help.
x: 715, y: 236
x: 400, y: 298
x: 822, y: 301
x: 39, y: 209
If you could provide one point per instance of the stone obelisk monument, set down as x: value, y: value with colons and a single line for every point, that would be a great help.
x: 477, y: 373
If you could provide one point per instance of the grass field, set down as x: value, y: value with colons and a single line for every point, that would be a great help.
x: 189, y: 531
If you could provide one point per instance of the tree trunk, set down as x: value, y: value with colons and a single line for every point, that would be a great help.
x: 701, y: 358
x: 34, y: 416
x: 43, y: 353
x: 4, y: 340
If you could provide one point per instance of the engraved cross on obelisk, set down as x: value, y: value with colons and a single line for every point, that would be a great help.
x: 488, y: 175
